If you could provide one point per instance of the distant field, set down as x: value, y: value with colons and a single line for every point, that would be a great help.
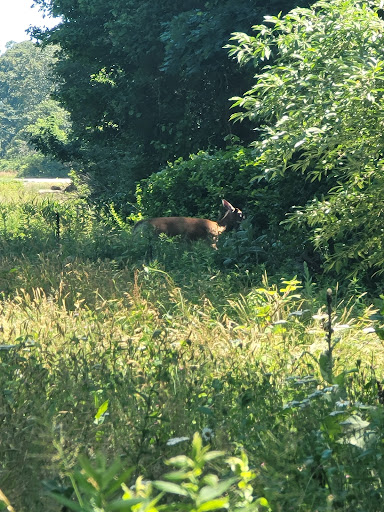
x: 7, y: 174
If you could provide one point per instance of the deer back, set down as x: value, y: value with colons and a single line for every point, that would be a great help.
x: 189, y: 227
x: 195, y: 228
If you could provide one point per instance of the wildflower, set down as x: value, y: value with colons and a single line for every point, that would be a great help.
x: 207, y: 434
x: 343, y: 404
x: 341, y: 327
x: 300, y: 312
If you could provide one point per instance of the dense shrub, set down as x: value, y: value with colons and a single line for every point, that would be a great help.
x: 195, y: 186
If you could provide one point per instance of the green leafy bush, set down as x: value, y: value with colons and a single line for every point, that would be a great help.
x: 191, y: 487
x: 196, y: 186
x: 34, y: 165
x: 318, y: 103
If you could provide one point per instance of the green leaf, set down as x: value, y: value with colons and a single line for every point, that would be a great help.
x: 89, y: 470
x: 331, y: 424
x: 124, y: 477
x: 176, y: 475
x: 121, y: 505
x: 325, y: 364
x: 380, y: 332
x: 170, y: 487
x: 102, y: 409
x: 68, y: 503
x: 214, y: 505
x: 263, y: 502
x: 213, y: 454
x: 340, y: 379
x: 109, y: 475
x: 197, y: 445
x: 181, y: 461
x: 209, y: 492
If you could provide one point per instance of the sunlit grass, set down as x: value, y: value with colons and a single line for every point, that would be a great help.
x: 174, y: 345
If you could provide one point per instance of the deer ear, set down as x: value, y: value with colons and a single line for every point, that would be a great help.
x: 227, y: 205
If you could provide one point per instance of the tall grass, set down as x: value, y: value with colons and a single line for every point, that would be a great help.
x: 115, y: 345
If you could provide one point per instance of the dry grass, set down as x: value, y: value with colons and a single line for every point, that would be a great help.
x: 7, y: 175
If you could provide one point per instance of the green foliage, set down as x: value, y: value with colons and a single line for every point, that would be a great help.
x: 24, y: 84
x: 146, y: 83
x: 25, y: 87
x: 189, y: 488
x: 48, y: 132
x: 33, y: 164
x: 195, y: 187
x: 100, y: 354
x: 319, y: 98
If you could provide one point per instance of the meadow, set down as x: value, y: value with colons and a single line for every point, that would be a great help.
x: 147, y: 375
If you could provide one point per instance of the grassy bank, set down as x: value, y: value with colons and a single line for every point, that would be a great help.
x: 114, y: 345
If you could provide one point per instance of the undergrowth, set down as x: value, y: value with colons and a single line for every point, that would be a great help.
x: 121, y: 357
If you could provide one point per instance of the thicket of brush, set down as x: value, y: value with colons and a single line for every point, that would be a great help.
x: 120, y: 353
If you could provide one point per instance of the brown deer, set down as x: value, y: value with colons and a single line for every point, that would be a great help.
x: 194, y: 228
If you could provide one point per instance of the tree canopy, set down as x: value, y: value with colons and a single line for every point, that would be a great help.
x: 25, y: 89
x: 320, y: 102
x: 147, y: 82
x: 24, y: 84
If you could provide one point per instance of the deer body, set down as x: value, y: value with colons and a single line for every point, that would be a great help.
x: 194, y: 228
